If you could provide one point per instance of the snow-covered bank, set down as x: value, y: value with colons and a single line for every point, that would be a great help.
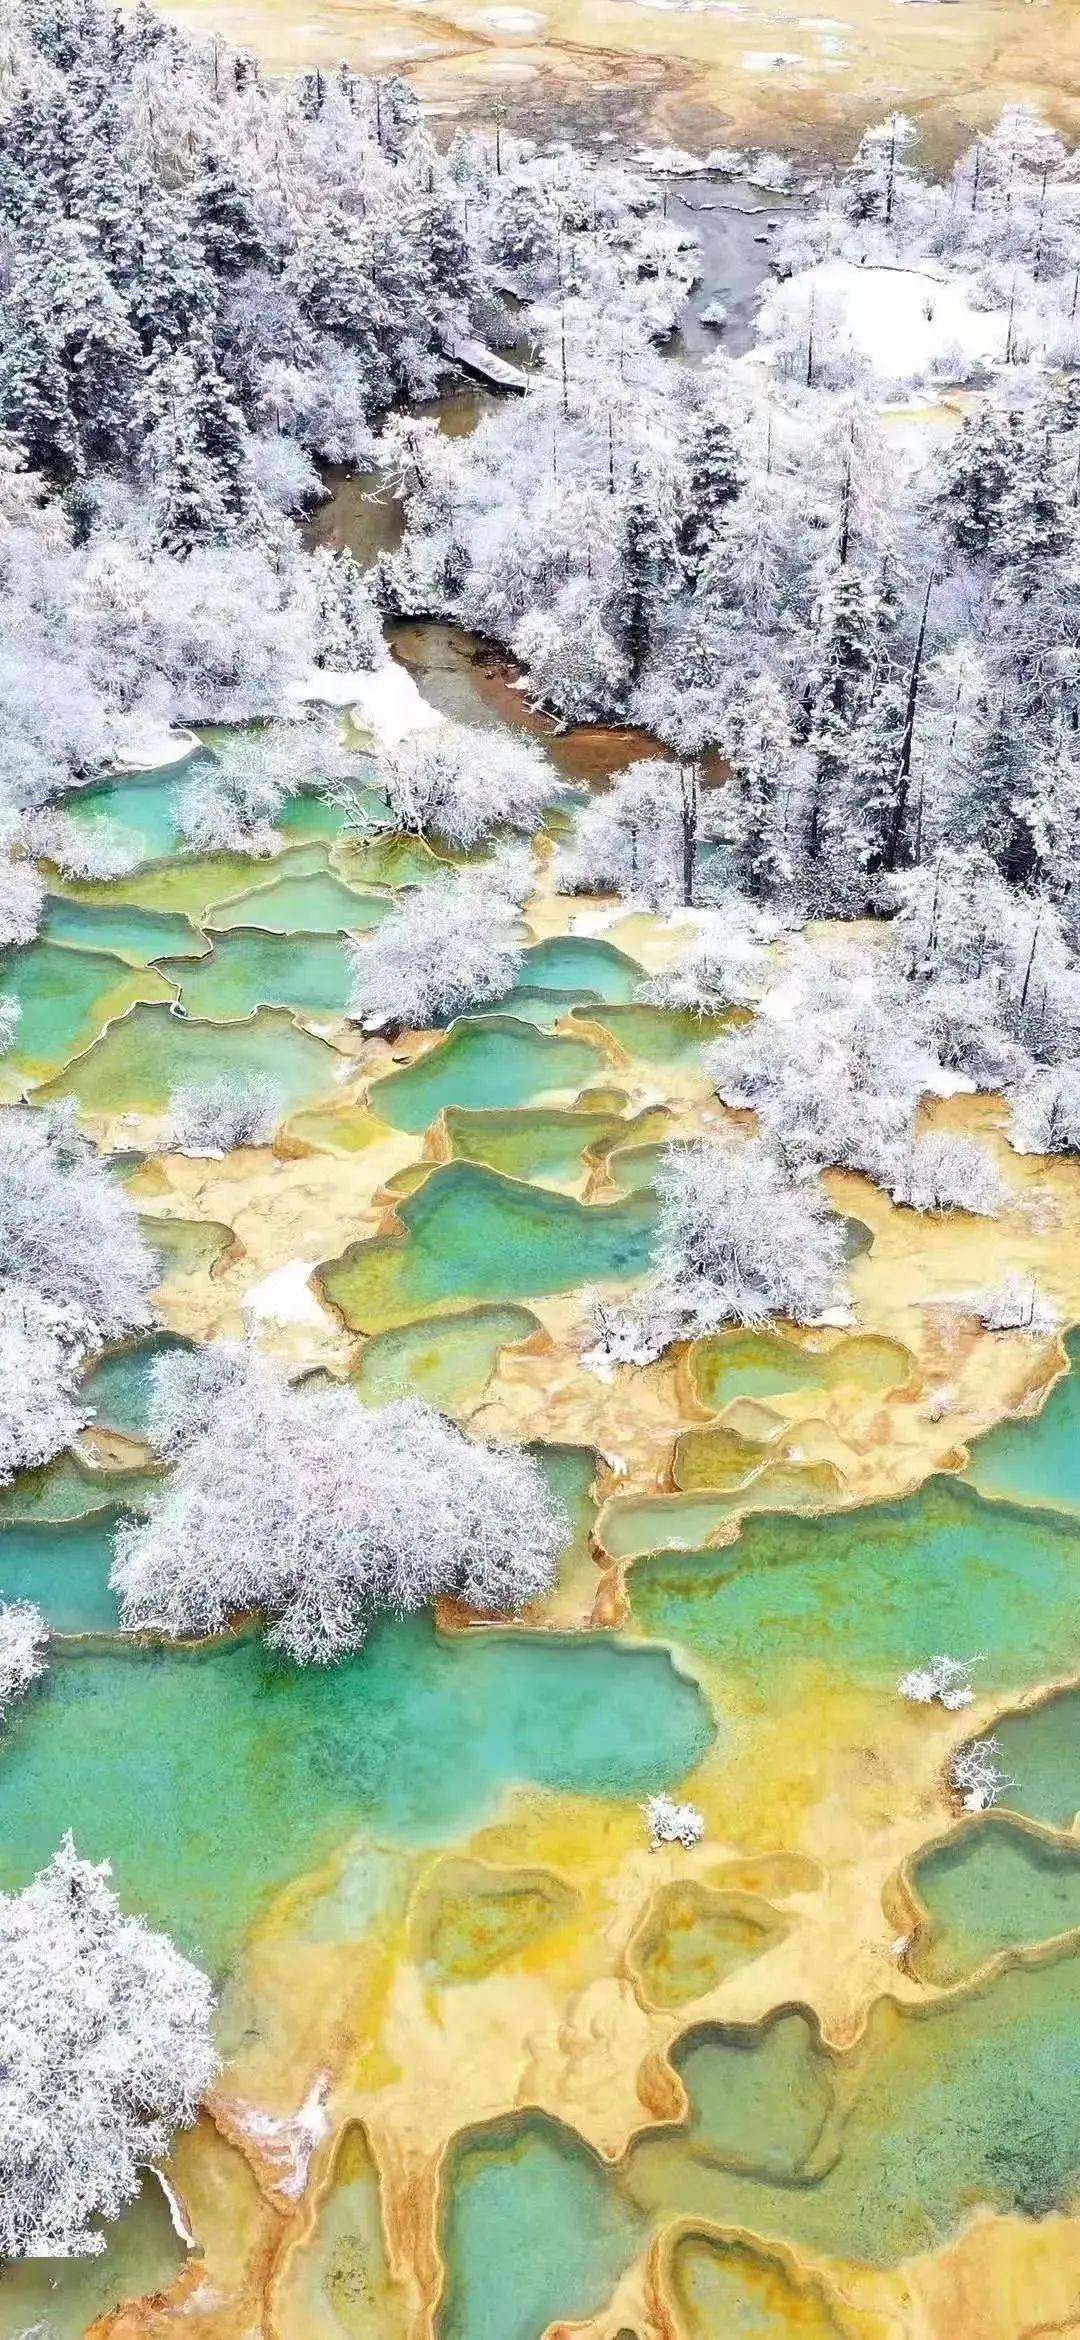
x: 384, y: 700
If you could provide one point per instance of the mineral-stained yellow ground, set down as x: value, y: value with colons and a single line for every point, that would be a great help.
x: 527, y: 1967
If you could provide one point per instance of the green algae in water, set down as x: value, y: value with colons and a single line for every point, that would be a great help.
x: 138, y: 1062
x: 209, y: 1777
x: 247, y: 969
x: 66, y: 997
x: 1037, y: 1460
x: 545, y: 1145
x: 488, y: 1063
x: 138, y: 935
x: 318, y: 904
x: 64, y: 1566
x: 728, y: 2288
x: 469, y: 1920
x: 870, y: 2158
x: 762, y: 1365
x: 470, y: 1235
x: 449, y: 1361
x: 657, y: 1035
x: 193, y: 883
x: 573, y: 2233
x: 693, y: 1938
x: 118, y: 1389
x: 185, y: 1247
x: 566, y: 969
x: 868, y: 1593
x: 992, y: 1888
x: 1041, y: 1754
x: 68, y: 1489
x: 145, y: 805
x: 65, y: 2297
x: 336, y: 2284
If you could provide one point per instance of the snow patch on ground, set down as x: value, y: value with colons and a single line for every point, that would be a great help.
x: 177, y: 2220
x: 145, y: 745
x: 289, y: 2142
x: 285, y: 1297
x: 907, y: 323
x: 770, y: 60
x: 385, y: 700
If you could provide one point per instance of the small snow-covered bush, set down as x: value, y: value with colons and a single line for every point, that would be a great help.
x: 1046, y: 1111
x: 671, y: 1823
x: 212, y: 1117
x: 943, y: 1681
x: 947, y: 1172
x: 230, y: 803
x: 42, y: 1347
x: 22, y: 894
x: 320, y: 1512
x: 449, y: 945
x: 105, y: 2050
x: 102, y: 852
x: 67, y: 1230
x: 977, y: 1775
x: 24, y: 1635
x: 1016, y: 1305
x: 460, y: 782
x: 623, y: 1336
x: 739, y: 1241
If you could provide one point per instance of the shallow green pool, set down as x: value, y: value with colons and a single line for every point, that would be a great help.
x: 209, y: 1777
x: 992, y: 1888
x: 247, y: 969
x: 487, y: 1063
x: 140, y: 1060
x: 471, y: 1235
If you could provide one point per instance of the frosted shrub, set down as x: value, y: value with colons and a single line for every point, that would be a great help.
x: 22, y: 894
x: 320, y: 1512
x: 739, y: 1241
x: 448, y: 945
x: 1046, y: 1111
x: 1016, y: 1305
x: 230, y: 803
x: 102, y: 852
x: 944, y: 1172
x: 623, y: 1336
x: 460, y: 782
x: 42, y: 1347
x: 943, y: 1681
x: 105, y: 2050
x: 978, y: 1776
x: 671, y: 1823
x: 212, y: 1117
x: 24, y: 1635
x: 67, y: 1230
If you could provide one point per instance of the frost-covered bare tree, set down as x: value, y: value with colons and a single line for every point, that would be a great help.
x: 739, y: 1241
x: 22, y: 895
x: 460, y: 783
x: 42, y: 1348
x: 67, y: 1229
x: 105, y: 2050
x: 946, y: 1171
x: 24, y: 1635
x: 319, y: 1512
x: 232, y: 799
x: 451, y: 944
x: 212, y: 1117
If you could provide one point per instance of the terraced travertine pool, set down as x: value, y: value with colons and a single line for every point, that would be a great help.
x: 424, y: 1874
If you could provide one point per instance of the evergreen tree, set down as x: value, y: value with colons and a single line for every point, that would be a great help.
x: 714, y: 478
x: 347, y: 635
x: 976, y: 470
